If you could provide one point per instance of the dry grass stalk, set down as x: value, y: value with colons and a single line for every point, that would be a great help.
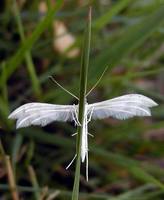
x: 11, y: 179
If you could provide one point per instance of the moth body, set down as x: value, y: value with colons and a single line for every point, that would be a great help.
x: 84, y: 142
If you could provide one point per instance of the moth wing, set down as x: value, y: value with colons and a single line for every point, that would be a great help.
x: 123, y: 107
x: 41, y: 114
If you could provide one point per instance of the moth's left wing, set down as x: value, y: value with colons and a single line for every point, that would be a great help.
x: 42, y: 114
x: 122, y: 107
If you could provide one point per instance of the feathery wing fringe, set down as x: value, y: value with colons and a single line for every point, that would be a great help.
x: 123, y: 107
x: 42, y: 114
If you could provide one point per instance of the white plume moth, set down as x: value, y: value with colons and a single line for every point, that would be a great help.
x: 122, y: 107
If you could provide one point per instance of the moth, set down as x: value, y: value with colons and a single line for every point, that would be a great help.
x: 123, y: 107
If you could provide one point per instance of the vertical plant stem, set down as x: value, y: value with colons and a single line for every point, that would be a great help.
x: 15, y: 150
x: 4, y: 83
x: 4, y: 104
x: 11, y: 179
x: 83, y: 87
x: 14, y: 62
x: 28, y: 57
x: 34, y: 182
x: 10, y: 173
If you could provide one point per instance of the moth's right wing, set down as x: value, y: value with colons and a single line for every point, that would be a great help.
x: 122, y: 107
x: 42, y: 114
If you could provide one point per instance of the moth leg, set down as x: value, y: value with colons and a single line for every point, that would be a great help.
x: 89, y: 134
x: 71, y: 162
x: 90, y: 115
x: 74, y: 134
x: 76, y: 116
x: 87, y: 166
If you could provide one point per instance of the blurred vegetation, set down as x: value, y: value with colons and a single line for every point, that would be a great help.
x: 42, y: 38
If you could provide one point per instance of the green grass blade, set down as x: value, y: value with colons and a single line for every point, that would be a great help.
x: 131, y: 165
x: 62, y: 193
x: 4, y: 83
x: 135, y: 193
x: 131, y: 38
x: 46, y: 138
x: 83, y: 87
x: 28, y: 57
x: 4, y: 111
x: 15, y: 150
x: 34, y: 181
x: 16, y: 60
x: 4, y: 104
x: 107, y: 17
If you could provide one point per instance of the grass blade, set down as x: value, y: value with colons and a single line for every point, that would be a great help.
x: 15, y: 61
x: 10, y: 173
x: 83, y: 87
x: 131, y: 165
x: 131, y: 38
x: 34, y: 182
x: 28, y: 57
x: 107, y: 17
x: 15, y: 150
x: 4, y: 83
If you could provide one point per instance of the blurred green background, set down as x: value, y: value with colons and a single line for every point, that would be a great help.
x: 43, y: 38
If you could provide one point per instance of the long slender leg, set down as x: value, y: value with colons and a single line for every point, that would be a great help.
x: 74, y: 119
x: 74, y: 134
x: 90, y: 115
x: 90, y: 135
x: 71, y: 162
x: 87, y: 166
x: 89, y: 119
x: 86, y: 146
x: 76, y: 116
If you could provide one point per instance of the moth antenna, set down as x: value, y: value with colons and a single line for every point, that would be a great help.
x: 71, y: 162
x: 97, y: 81
x: 54, y: 81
